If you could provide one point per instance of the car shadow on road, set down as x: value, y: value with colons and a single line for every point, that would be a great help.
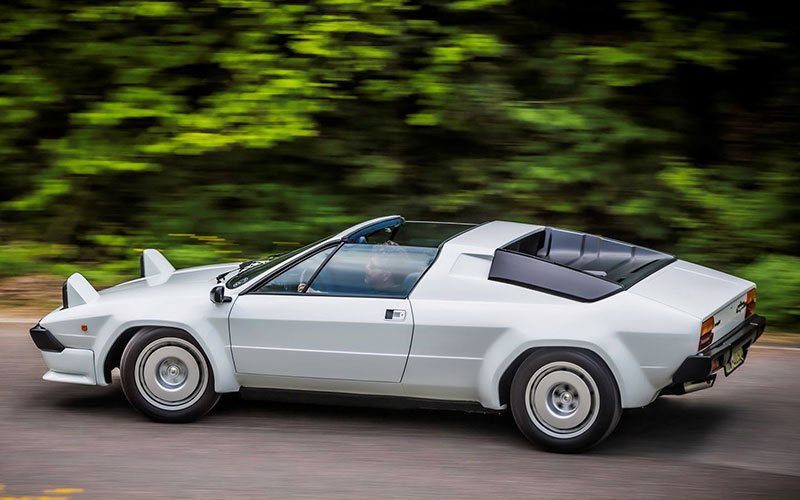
x: 107, y: 399
x: 411, y: 421
x: 669, y: 426
x: 77, y: 401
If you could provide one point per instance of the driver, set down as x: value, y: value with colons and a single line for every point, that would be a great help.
x: 381, y: 271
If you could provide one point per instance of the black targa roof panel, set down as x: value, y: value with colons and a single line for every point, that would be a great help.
x: 519, y: 269
x: 574, y: 265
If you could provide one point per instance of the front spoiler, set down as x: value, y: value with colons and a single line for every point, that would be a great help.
x: 700, y: 367
x: 73, y: 366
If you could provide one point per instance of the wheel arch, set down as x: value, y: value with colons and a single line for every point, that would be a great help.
x: 213, y: 347
x: 501, y: 361
x: 504, y: 384
x: 113, y: 357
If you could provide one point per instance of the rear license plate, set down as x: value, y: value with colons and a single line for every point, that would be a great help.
x: 737, y: 358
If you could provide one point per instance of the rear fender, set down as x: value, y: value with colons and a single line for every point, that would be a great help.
x: 504, y: 357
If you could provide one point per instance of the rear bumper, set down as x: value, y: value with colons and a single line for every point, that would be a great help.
x: 700, y: 367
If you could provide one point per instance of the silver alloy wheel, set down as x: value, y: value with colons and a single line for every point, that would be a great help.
x: 562, y: 399
x: 171, y: 373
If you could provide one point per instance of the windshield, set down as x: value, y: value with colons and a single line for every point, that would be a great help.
x: 252, y: 271
x: 406, y: 233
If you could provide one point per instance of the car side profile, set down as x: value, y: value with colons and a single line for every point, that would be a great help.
x: 562, y: 328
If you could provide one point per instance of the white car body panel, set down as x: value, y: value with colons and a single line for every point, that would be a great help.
x: 181, y: 301
x: 460, y: 333
x: 508, y: 320
x: 72, y: 366
x: 696, y: 290
x: 346, y: 338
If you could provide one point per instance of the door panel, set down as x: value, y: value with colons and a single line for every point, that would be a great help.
x: 321, y: 336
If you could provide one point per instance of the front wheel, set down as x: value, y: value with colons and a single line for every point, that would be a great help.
x: 166, y: 376
x: 565, y: 400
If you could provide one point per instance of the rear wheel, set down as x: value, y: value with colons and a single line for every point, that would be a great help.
x: 565, y: 400
x: 166, y: 376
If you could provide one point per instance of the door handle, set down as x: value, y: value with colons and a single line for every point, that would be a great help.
x: 395, y: 314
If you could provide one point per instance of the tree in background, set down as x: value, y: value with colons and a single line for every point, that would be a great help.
x: 123, y: 123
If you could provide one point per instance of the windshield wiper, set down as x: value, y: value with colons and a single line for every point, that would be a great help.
x: 242, y: 267
x: 221, y: 277
x: 248, y: 264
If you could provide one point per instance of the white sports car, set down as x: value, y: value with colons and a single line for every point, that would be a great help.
x: 564, y: 328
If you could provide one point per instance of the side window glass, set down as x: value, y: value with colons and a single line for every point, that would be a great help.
x: 379, y: 236
x: 373, y: 270
x: 295, y: 279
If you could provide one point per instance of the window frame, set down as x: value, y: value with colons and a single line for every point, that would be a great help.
x: 337, y: 246
x: 340, y: 243
x: 253, y: 289
x: 299, y: 255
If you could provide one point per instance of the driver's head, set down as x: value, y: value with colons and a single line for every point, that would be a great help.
x: 379, y: 273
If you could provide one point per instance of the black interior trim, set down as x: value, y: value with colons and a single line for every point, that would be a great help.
x: 544, y: 276
x: 573, y: 264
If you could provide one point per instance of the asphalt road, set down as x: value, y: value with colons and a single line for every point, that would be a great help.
x: 739, y: 439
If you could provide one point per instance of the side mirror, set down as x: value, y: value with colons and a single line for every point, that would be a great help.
x: 217, y: 295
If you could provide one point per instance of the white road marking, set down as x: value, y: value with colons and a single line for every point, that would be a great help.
x: 776, y: 348
x: 18, y: 320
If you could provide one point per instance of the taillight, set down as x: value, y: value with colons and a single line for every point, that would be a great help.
x: 750, y: 302
x: 706, y: 335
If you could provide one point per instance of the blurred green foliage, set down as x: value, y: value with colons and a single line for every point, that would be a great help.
x: 672, y: 125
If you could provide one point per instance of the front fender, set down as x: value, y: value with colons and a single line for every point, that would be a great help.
x: 211, y: 332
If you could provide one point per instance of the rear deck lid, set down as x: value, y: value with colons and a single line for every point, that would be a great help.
x: 698, y: 291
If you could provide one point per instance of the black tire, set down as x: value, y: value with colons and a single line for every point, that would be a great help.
x: 167, y: 376
x: 549, y: 395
